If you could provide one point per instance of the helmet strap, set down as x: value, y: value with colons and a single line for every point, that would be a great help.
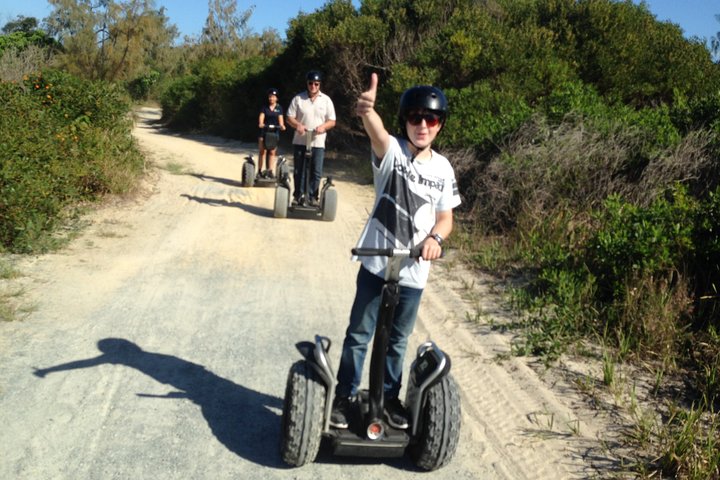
x: 418, y: 150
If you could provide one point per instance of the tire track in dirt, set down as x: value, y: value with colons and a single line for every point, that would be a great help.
x: 525, y: 429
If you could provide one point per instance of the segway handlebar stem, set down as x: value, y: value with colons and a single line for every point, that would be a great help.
x: 309, y: 136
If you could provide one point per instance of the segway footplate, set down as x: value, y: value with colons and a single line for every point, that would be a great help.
x: 349, y: 444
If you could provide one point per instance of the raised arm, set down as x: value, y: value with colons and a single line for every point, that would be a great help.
x: 365, y: 109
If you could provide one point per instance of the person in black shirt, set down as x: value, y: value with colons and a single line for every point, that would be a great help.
x: 270, y: 121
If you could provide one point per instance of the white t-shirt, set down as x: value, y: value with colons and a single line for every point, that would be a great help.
x: 408, y: 194
x: 311, y: 113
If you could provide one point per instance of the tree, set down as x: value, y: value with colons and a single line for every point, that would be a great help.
x: 110, y: 40
x: 22, y: 33
x: 225, y: 30
x: 24, y: 48
x: 21, y: 24
x: 715, y: 43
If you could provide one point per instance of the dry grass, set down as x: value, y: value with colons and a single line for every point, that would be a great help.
x: 545, y: 168
x: 15, y: 64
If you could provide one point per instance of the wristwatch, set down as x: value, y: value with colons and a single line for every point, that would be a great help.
x: 437, y: 238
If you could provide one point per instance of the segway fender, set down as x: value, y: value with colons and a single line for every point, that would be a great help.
x: 317, y: 356
x: 430, y: 366
x: 306, y: 349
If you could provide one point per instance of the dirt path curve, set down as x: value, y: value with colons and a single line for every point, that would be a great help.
x: 161, y: 338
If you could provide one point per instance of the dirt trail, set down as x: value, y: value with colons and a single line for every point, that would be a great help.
x: 160, y: 340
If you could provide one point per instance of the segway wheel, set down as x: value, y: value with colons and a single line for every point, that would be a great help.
x: 248, y: 174
x: 282, y: 195
x: 302, y: 418
x: 329, y: 205
x: 438, y: 437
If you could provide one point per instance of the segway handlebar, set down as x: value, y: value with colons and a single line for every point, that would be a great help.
x: 414, y: 252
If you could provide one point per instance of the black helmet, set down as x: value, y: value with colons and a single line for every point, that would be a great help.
x: 313, y: 76
x: 272, y: 91
x: 423, y: 97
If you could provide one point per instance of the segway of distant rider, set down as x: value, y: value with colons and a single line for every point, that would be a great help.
x: 432, y: 397
x: 326, y: 208
x: 266, y: 178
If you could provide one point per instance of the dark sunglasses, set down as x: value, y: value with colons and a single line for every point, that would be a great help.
x: 431, y: 119
x: 317, y: 84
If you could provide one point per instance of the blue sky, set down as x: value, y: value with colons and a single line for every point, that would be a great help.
x: 189, y: 15
x: 695, y: 17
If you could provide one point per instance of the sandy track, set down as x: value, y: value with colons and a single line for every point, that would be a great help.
x: 161, y: 339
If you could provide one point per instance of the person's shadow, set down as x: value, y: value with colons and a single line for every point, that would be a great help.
x: 240, y: 418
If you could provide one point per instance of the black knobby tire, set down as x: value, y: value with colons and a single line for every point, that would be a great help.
x: 438, y: 438
x: 302, y: 418
x: 248, y: 174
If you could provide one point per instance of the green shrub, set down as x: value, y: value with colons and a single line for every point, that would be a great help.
x: 623, y: 275
x: 482, y: 115
x: 21, y: 40
x: 689, y: 114
x: 222, y: 96
x: 638, y: 257
x: 573, y: 97
x: 64, y: 141
x: 180, y: 108
x: 632, y: 242
x: 141, y: 87
x: 706, y: 262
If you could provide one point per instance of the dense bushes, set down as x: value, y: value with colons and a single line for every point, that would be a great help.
x: 64, y: 141
x: 215, y: 97
x: 642, y: 277
x: 498, y: 62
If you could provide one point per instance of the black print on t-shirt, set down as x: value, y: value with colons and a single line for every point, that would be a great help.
x: 397, y: 208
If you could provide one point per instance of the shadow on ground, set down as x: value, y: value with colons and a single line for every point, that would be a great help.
x: 240, y: 418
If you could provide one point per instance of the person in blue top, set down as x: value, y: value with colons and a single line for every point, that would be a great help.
x: 415, y: 193
x: 270, y: 122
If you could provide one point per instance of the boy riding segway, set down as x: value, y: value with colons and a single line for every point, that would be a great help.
x: 416, y: 191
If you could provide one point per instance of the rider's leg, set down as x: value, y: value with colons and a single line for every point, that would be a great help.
x: 318, y: 157
x: 363, y: 317
x: 403, y: 325
x: 261, y: 154
x: 271, y: 161
x: 298, y: 171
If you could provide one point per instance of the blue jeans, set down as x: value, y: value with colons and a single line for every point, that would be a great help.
x: 318, y: 156
x: 363, y: 317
